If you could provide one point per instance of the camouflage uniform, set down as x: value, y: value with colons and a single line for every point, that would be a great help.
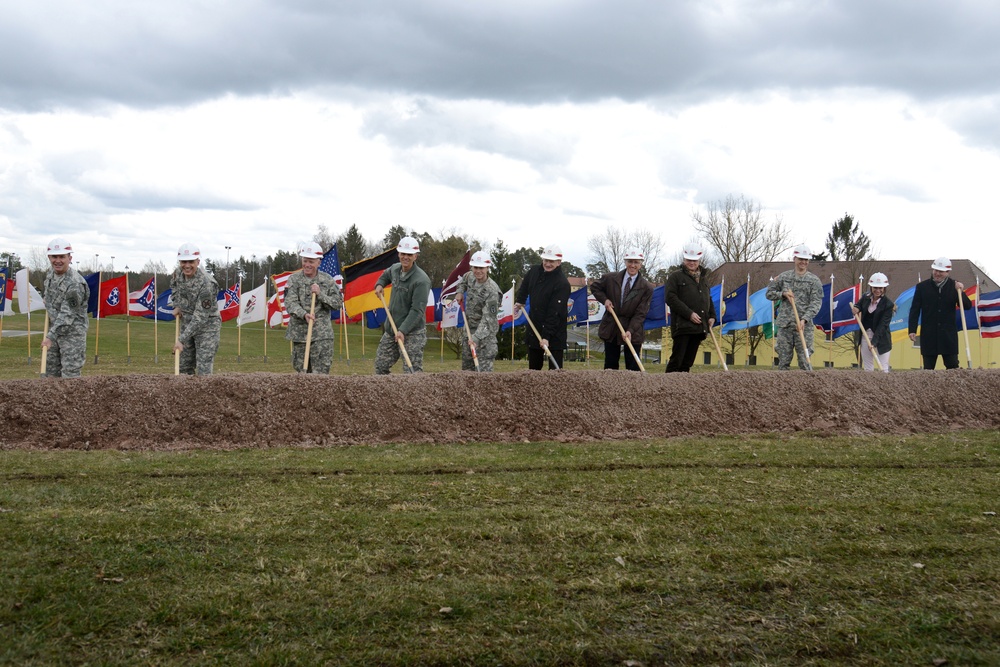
x: 66, y: 299
x: 482, y: 301
x: 201, y: 324
x: 298, y: 297
x: 808, y: 293
x: 408, y: 307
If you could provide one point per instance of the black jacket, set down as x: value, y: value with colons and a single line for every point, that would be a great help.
x: 632, y: 313
x: 549, y: 294
x: 685, y: 295
x: 934, y: 309
x: 878, y: 321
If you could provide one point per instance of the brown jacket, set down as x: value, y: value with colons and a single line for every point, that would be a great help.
x: 632, y: 313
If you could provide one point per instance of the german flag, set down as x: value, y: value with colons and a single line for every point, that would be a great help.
x: 360, y: 279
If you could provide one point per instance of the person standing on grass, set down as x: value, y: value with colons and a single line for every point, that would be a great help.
x: 549, y: 290
x: 299, y: 291
x: 692, y: 313
x: 807, y: 291
x: 876, y: 310
x: 66, y: 294
x: 933, y: 309
x: 195, y: 295
x: 628, y: 294
x: 480, y: 299
x: 408, y: 307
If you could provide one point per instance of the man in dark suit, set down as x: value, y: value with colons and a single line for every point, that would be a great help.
x: 933, y: 308
x: 628, y: 294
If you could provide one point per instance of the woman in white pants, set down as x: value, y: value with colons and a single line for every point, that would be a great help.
x: 876, y: 310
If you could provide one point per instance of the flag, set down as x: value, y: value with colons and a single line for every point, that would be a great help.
x: 761, y: 309
x: 164, y: 308
x: 989, y: 315
x: 28, y: 297
x: 330, y: 262
x: 432, y: 313
x: 451, y: 284
x: 576, y: 307
x: 451, y: 316
x: 656, y: 317
x: 971, y: 321
x: 505, y: 315
x: 229, y: 302
x: 734, y: 307
x: 253, y: 306
x: 360, y: 279
x: 111, y: 298
x: 275, y: 313
x: 716, y: 295
x: 6, y: 294
x: 374, y: 319
x: 279, y: 289
x: 900, y: 322
x: 844, y: 321
x: 143, y: 301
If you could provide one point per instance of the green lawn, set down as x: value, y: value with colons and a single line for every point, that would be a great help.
x: 790, y: 551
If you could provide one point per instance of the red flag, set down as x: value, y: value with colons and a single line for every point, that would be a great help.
x: 279, y: 291
x: 451, y: 285
x: 229, y: 303
x: 113, y: 297
x: 275, y: 313
x: 143, y: 301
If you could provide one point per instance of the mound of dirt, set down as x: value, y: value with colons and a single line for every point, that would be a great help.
x: 137, y: 412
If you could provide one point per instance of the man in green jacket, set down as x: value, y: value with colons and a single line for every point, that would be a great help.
x: 408, y: 307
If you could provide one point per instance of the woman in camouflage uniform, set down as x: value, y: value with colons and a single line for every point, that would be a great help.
x: 480, y: 297
x: 195, y: 296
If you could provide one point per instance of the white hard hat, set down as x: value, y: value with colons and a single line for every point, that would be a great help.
x: 408, y: 245
x: 802, y: 252
x: 692, y: 251
x: 552, y: 252
x: 878, y: 280
x: 941, y: 264
x: 188, y: 251
x: 311, y: 250
x: 480, y: 260
x: 59, y: 246
x: 635, y: 253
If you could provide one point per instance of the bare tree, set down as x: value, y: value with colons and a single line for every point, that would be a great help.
x: 324, y: 238
x: 735, y: 227
x: 607, y: 251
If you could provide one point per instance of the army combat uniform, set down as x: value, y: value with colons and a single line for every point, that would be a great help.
x: 408, y: 307
x: 66, y: 299
x: 201, y: 324
x: 298, y: 297
x: 481, y: 303
x: 808, y: 293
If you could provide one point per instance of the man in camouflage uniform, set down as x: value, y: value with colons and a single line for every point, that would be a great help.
x: 807, y: 291
x: 480, y: 297
x: 66, y: 296
x: 195, y: 295
x: 408, y: 307
x: 298, y: 300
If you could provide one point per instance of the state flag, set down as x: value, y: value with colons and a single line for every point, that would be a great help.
x: 229, y: 302
x: 252, y: 306
x: 111, y: 297
x: 28, y: 298
x: 142, y: 302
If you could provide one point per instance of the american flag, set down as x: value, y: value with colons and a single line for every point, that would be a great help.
x: 330, y: 262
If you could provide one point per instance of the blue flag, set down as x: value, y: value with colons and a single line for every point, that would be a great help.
x: 374, y: 319
x: 734, y: 307
x: 901, y: 318
x: 164, y: 308
x: 577, y: 307
x: 3, y: 290
x: 971, y: 321
x: 761, y: 309
x: 94, y: 284
x: 330, y: 262
x: 716, y: 296
x: 656, y: 318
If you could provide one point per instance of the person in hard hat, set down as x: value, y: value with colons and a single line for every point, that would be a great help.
x: 299, y: 289
x: 933, y: 309
x: 480, y: 299
x: 628, y: 294
x: 66, y: 294
x: 876, y: 311
x: 195, y: 295
x: 807, y: 290
x: 692, y: 313
x: 408, y: 307
x: 548, y: 289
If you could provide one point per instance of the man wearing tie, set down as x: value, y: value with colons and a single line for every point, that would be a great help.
x: 692, y: 313
x: 628, y: 294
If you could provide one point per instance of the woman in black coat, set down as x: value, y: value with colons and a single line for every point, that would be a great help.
x: 876, y: 310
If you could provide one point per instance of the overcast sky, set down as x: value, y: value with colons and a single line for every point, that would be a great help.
x: 130, y: 127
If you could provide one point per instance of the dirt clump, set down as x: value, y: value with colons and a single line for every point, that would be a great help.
x: 260, y: 410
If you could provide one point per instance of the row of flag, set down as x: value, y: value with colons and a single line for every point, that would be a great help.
x: 736, y: 309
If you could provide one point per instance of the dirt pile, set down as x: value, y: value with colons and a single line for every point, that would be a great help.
x: 276, y: 410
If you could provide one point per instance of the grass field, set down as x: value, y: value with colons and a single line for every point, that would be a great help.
x: 791, y: 551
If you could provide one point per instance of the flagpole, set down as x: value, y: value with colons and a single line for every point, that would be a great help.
x: 512, y: 283
x: 347, y: 342
x: 722, y: 307
x: 443, y: 284
x: 829, y: 346
x: 267, y: 319
x: 979, y: 323
x: 864, y: 334
x: 748, y: 321
x: 27, y: 290
x: 97, y: 333
x: 239, y: 320
x: 156, y: 321
x: 774, y: 348
x: 128, y: 324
